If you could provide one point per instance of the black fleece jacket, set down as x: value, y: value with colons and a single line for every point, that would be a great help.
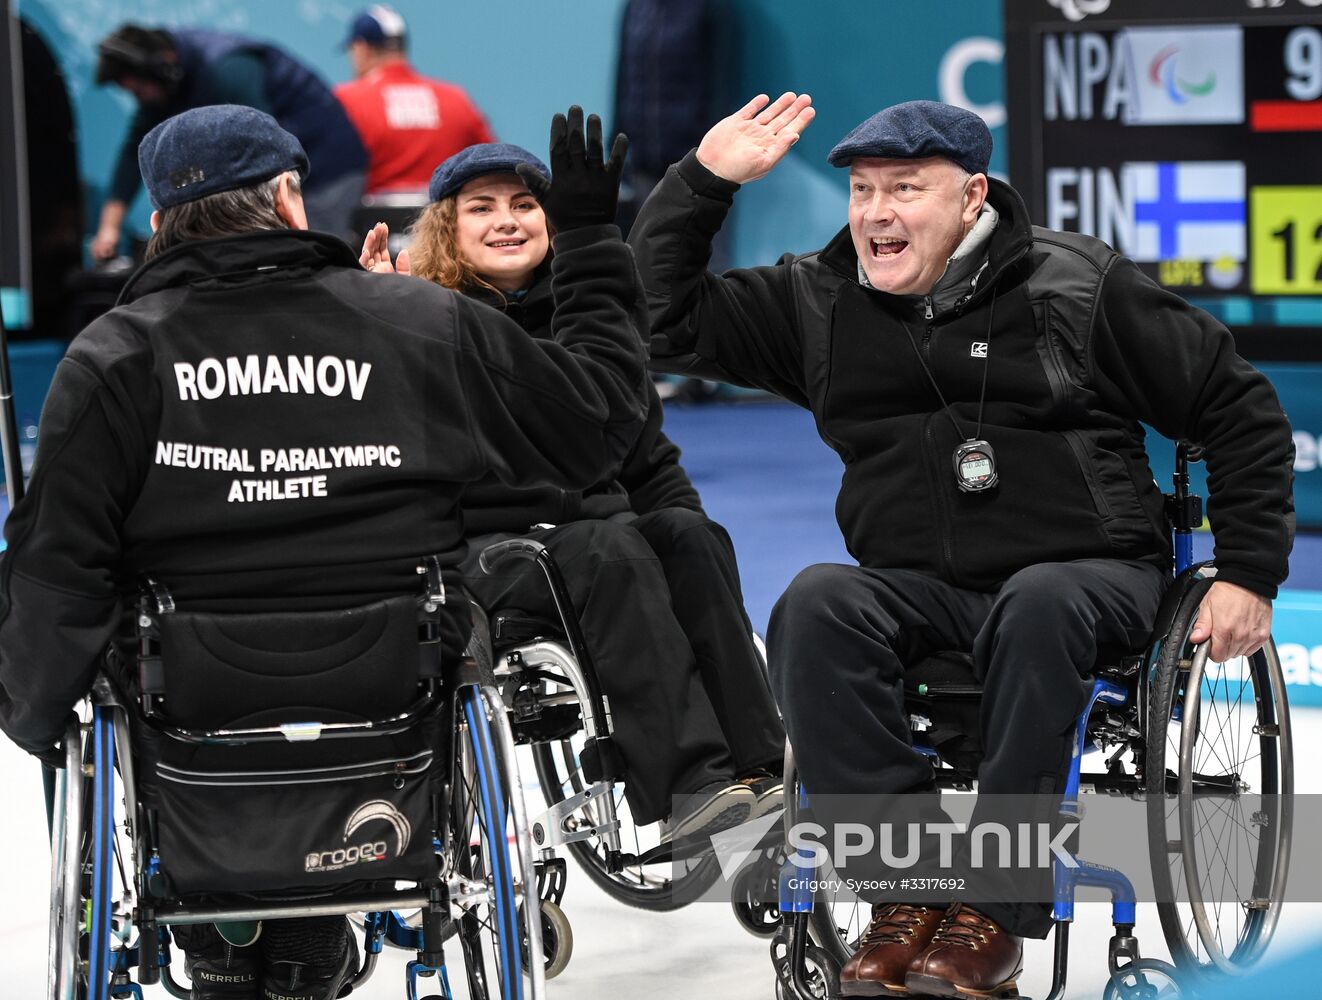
x: 261, y: 424
x: 650, y: 477
x: 1077, y: 347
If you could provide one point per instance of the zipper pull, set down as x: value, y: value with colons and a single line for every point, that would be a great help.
x: 927, y: 304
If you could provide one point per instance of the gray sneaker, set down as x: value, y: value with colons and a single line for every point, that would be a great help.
x: 709, y: 810
x: 770, y: 794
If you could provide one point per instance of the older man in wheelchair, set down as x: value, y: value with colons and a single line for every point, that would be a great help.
x: 249, y: 472
x: 983, y: 381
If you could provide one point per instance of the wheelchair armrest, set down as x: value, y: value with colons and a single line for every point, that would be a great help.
x: 512, y: 548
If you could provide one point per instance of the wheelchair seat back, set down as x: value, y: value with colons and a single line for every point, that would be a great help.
x: 221, y: 670
x: 250, y: 782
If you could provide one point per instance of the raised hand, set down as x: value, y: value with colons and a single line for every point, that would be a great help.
x: 376, y: 253
x: 584, y: 187
x: 376, y: 250
x: 746, y: 145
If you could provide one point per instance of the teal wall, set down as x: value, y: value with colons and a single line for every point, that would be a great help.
x: 524, y: 59
x: 521, y: 60
x: 854, y: 57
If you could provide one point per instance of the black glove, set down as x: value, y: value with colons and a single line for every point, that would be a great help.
x: 583, y: 190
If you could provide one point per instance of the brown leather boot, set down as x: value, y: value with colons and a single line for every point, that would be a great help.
x: 897, y: 933
x: 969, y: 958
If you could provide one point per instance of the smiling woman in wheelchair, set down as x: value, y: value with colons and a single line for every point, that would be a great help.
x: 279, y: 441
x: 652, y: 579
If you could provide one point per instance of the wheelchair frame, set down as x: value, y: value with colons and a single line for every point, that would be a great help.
x: 1126, y: 707
x: 479, y: 892
x: 581, y: 785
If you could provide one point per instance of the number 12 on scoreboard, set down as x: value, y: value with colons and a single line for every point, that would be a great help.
x: 1286, y: 240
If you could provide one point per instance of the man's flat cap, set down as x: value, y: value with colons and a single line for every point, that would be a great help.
x: 217, y: 148
x: 916, y: 129
x: 478, y: 161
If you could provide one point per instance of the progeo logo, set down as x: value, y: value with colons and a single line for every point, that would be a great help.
x: 368, y: 851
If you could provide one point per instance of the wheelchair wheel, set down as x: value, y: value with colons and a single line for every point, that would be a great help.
x: 754, y: 896
x: 499, y: 916
x: 557, y: 940
x: 90, y: 898
x: 666, y: 885
x: 1145, y: 979
x: 1220, y: 781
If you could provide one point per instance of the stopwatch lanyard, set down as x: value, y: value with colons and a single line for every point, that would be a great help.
x: 982, y: 395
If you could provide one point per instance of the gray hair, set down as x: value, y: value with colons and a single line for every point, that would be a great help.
x: 226, y: 213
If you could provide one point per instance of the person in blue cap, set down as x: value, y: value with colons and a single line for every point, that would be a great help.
x: 982, y: 381
x: 169, y: 71
x: 261, y: 424
x: 653, y: 579
x: 408, y: 122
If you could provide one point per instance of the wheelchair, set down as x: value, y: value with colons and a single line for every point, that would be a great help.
x: 544, y: 674
x: 1206, y: 746
x: 399, y: 794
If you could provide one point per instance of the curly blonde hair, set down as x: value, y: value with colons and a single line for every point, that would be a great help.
x: 434, y: 249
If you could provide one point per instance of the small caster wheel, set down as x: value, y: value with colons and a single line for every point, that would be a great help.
x: 755, y: 904
x: 1144, y: 979
x: 818, y: 974
x: 557, y: 940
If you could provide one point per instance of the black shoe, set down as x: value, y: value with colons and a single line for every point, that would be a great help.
x: 309, y: 958
x: 218, y: 969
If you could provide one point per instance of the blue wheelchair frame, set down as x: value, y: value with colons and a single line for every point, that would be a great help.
x: 108, y: 970
x: 1185, y: 513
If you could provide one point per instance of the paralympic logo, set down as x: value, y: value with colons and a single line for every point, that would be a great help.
x: 1077, y: 10
x: 1161, y: 71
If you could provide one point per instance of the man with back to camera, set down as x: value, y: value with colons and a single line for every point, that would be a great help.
x: 245, y: 333
x: 169, y: 71
x: 983, y: 381
x: 408, y: 122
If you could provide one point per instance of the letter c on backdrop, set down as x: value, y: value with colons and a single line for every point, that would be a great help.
x: 954, y: 67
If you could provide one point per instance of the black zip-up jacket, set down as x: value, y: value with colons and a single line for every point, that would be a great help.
x: 1081, y: 348
x: 262, y: 424
x: 650, y: 477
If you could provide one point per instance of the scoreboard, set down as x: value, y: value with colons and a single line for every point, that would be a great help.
x: 1188, y: 135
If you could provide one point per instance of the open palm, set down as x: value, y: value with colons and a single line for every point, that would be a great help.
x: 747, y: 144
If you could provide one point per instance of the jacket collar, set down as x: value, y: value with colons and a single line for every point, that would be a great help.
x: 1011, y: 239
x: 532, y: 310
x: 237, y: 259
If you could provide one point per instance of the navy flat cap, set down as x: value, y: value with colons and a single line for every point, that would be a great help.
x: 478, y: 161
x: 916, y: 129
x: 217, y: 148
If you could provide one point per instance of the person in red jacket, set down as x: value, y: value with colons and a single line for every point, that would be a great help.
x: 407, y: 121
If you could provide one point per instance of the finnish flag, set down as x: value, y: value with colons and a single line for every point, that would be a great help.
x: 1186, y: 211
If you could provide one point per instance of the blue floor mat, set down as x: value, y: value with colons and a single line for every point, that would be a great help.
x: 765, y: 474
